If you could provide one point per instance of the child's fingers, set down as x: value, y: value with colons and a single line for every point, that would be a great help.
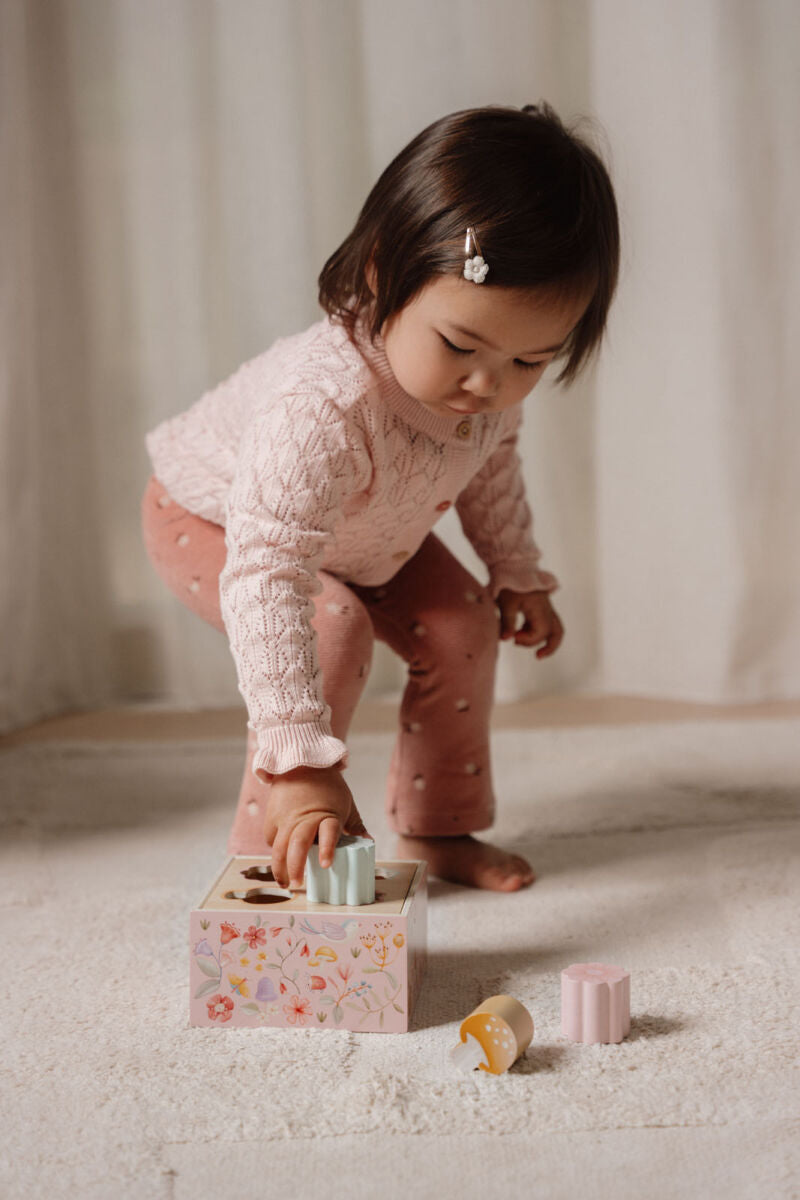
x: 509, y: 607
x: 553, y: 640
x: 551, y: 645
x: 270, y: 831
x: 280, y: 843
x: 300, y: 842
x: 328, y: 836
x: 532, y: 632
x: 355, y: 825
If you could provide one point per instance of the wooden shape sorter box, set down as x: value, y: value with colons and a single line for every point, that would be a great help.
x: 260, y: 955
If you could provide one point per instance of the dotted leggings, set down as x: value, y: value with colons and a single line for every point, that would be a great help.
x: 432, y: 613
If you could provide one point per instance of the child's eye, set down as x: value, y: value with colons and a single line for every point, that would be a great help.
x: 526, y: 366
x: 456, y: 349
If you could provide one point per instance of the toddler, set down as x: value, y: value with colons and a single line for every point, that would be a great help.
x: 293, y: 505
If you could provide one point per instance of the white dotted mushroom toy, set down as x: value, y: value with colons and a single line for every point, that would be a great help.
x: 493, y: 1036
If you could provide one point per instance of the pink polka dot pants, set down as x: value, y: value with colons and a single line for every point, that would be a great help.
x: 432, y: 613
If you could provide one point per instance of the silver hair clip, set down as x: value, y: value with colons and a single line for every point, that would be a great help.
x: 475, y: 269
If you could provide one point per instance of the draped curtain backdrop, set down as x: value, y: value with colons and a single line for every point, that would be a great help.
x: 173, y: 174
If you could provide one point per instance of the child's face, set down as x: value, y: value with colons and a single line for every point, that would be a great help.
x: 512, y: 337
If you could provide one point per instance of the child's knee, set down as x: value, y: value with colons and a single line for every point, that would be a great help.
x: 359, y: 633
x: 468, y: 628
x: 345, y: 631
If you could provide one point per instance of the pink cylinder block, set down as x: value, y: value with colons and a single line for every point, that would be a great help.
x: 595, y: 1003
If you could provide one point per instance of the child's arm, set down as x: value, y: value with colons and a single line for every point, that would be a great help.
x: 299, y: 461
x: 497, y: 520
x: 303, y: 804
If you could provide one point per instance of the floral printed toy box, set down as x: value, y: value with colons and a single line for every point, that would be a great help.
x: 260, y: 955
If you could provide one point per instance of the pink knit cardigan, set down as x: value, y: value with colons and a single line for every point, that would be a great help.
x: 313, y: 457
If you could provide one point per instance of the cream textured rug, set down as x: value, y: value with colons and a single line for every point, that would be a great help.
x: 668, y: 849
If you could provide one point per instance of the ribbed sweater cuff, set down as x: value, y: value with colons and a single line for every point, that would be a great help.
x: 520, y: 577
x: 281, y: 748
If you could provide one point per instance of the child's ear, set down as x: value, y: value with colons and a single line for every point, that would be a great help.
x: 371, y: 276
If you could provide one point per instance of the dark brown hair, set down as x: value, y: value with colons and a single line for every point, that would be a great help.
x: 540, y: 200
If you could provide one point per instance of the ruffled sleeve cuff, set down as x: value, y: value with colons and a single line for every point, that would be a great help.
x: 282, y: 748
x: 520, y: 577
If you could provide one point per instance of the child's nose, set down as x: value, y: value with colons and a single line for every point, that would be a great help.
x: 482, y: 383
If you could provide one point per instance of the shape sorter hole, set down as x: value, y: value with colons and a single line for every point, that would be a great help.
x: 259, y: 896
x: 262, y: 873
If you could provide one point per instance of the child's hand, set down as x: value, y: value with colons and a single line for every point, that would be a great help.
x: 541, y: 621
x: 302, y: 804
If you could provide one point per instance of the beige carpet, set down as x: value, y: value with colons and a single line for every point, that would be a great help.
x: 670, y: 849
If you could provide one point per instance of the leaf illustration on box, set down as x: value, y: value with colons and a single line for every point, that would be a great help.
x: 332, y: 931
x: 209, y: 986
x: 207, y: 968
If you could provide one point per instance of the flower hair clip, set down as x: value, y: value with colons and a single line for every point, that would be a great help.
x: 475, y: 269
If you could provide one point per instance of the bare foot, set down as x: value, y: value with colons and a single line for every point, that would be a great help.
x: 468, y: 861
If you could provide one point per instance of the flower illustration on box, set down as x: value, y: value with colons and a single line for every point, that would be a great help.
x: 372, y: 999
x: 382, y: 954
x: 297, y: 1010
x: 290, y: 975
x: 220, y: 1008
x: 256, y: 937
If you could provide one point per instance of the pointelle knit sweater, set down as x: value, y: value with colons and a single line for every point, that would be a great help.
x: 313, y: 458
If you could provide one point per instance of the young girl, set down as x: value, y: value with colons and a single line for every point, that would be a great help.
x: 293, y: 505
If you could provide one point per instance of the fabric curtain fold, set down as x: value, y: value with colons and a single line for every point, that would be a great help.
x: 172, y: 178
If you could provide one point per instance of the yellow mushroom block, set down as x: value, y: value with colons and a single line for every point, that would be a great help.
x: 494, y: 1035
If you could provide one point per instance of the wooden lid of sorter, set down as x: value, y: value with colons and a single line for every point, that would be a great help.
x: 395, y: 883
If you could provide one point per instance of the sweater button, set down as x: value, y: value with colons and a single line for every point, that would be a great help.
x: 463, y: 429
x: 443, y: 507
